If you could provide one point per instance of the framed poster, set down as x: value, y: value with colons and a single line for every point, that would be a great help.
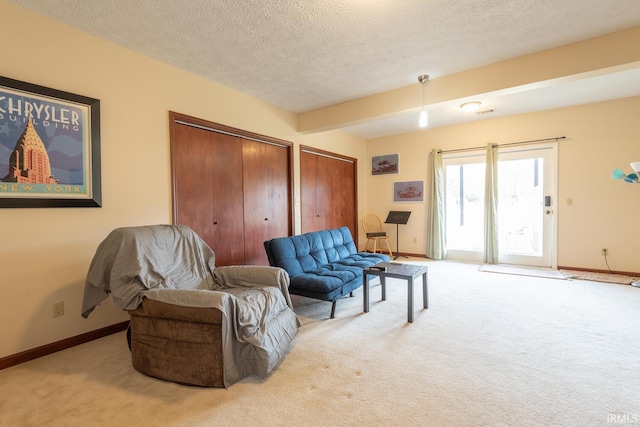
x: 49, y: 147
x: 408, y: 191
x: 384, y: 164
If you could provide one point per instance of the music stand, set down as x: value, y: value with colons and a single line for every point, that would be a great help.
x: 397, y: 218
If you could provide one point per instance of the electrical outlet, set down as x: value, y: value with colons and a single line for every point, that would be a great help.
x: 605, y: 251
x: 58, y: 309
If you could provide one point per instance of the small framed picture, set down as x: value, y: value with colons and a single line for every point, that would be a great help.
x: 408, y: 191
x: 384, y: 164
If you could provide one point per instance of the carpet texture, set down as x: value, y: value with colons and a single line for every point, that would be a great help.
x: 492, y: 350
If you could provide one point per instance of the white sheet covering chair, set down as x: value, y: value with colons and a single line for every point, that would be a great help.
x: 372, y: 225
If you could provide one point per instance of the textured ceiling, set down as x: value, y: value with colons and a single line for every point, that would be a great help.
x: 304, y: 54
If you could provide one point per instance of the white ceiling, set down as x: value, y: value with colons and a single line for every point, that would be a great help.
x: 305, y: 54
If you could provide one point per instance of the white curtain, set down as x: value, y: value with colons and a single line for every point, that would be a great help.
x: 436, y: 244
x: 491, y: 206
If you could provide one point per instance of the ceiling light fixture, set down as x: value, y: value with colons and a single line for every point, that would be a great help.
x: 424, y: 116
x: 471, y: 107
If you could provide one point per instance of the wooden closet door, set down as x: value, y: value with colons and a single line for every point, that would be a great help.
x: 344, y: 196
x: 309, y: 214
x: 266, y: 197
x: 328, y: 191
x: 327, y: 179
x: 233, y: 187
x: 207, y: 172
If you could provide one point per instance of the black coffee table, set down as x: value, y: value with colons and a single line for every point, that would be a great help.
x: 396, y: 270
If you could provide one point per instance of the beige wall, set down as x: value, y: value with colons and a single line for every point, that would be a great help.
x: 600, y: 137
x: 45, y: 253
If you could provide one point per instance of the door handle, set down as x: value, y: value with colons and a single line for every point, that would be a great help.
x: 548, y: 211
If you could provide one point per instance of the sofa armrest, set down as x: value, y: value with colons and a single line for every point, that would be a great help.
x: 163, y: 310
x: 200, y: 298
x: 250, y: 276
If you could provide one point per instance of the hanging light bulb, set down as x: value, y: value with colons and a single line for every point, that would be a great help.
x: 424, y: 119
x: 423, y: 122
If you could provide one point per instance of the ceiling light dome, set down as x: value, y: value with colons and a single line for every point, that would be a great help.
x: 471, y: 106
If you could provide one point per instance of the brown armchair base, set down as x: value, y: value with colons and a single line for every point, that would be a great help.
x: 176, y: 343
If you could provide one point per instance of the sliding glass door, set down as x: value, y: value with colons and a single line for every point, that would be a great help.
x: 526, y: 212
x: 464, y: 206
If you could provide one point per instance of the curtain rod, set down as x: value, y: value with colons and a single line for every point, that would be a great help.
x: 557, y: 138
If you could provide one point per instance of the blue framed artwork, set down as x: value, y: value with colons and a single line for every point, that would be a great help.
x: 408, y: 191
x: 49, y: 147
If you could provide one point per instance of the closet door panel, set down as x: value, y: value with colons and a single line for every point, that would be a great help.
x: 266, y: 197
x: 328, y: 191
x: 192, y: 205
x: 228, y: 204
x: 208, y: 190
x: 344, y: 207
x: 309, y: 191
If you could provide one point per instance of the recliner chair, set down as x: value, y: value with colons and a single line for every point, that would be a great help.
x: 192, y: 322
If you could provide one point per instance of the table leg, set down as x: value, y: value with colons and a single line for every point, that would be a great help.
x: 410, y: 302
x: 425, y: 295
x: 365, y: 293
x: 383, y: 284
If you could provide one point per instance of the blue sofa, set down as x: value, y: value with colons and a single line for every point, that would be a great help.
x: 322, y: 264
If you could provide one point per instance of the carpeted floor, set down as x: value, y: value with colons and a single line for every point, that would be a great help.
x: 492, y: 350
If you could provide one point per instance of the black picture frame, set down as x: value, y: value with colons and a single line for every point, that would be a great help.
x: 40, y: 125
